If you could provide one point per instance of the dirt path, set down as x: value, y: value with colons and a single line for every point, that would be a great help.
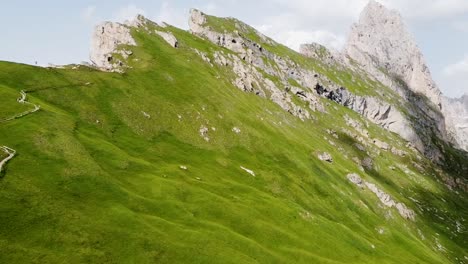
x: 11, y: 153
x: 22, y: 100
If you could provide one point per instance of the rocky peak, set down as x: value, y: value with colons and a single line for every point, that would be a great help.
x: 456, y: 119
x: 196, y: 20
x: 110, y: 38
x: 249, y: 58
x: 105, y: 41
x: 319, y: 52
x: 381, y: 41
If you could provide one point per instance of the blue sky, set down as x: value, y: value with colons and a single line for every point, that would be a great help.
x: 58, y: 32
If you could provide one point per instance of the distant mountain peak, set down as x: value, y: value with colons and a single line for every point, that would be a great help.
x: 381, y: 40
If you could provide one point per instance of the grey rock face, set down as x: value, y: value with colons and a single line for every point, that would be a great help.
x: 382, y: 46
x: 380, y: 144
x: 168, y: 37
x: 320, y: 52
x: 384, y: 197
x: 377, y: 111
x: 380, y: 40
x: 367, y: 163
x: 106, y: 39
x: 373, y: 52
x: 250, y: 59
x: 456, y: 120
x: 354, y: 178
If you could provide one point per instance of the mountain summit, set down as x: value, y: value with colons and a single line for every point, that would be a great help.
x: 382, y: 45
x: 380, y: 39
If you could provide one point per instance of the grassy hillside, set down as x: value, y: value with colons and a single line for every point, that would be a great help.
x: 99, y: 174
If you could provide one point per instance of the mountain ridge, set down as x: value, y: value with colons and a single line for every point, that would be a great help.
x: 221, y: 146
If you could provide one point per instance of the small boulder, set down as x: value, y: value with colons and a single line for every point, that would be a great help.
x: 360, y: 147
x: 204, y: 133
x: 325, y: 157
x: 236, y: 130
x: 381, y: 144
x: 367, y: 163
x: 354, y: 178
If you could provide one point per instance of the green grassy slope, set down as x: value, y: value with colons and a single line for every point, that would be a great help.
x: 97, y: 181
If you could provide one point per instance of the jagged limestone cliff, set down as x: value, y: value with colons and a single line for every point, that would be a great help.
x: 105, y: 40
x: 383, y: 47
x: 456, y: 119
x: 380, y: 41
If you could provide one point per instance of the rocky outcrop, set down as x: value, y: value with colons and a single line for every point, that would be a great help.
x: 381, y: 43
x: 251, y: 61
x: 381, y: 46
x: 325, y: 157
x: 354, y: 178
x: 456, y: 120
x: 377, y: 111
x: 106, y: 40
x: 321, y: 53
x: 168, y: 37
x: 251, y: 64
x: 384, y: 197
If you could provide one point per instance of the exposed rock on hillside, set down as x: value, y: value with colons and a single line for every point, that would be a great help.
x: 106, y: 39
x: 283, y: 81
x: 377, y: 111
x: 251, y: 60
x: 168, y: 37
x: 456, y: 119
x: 320, y: 52
x: 384, y: 197
x: 381, y: 43
x: 325, y: 157
x: 385, y: 50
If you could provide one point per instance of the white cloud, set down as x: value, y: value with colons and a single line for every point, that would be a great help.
x: 209, y: 7
x: 429, y: 9
x: 128, y: 12
x: 172, y: 15
x: 88, y: 14
x: 328, y: 10
x: 455, y: 78
x: 296, y: 22
x: 294, y: 38
x: 458, y: 68
x: 332, y: 10
x: 461, y: 25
